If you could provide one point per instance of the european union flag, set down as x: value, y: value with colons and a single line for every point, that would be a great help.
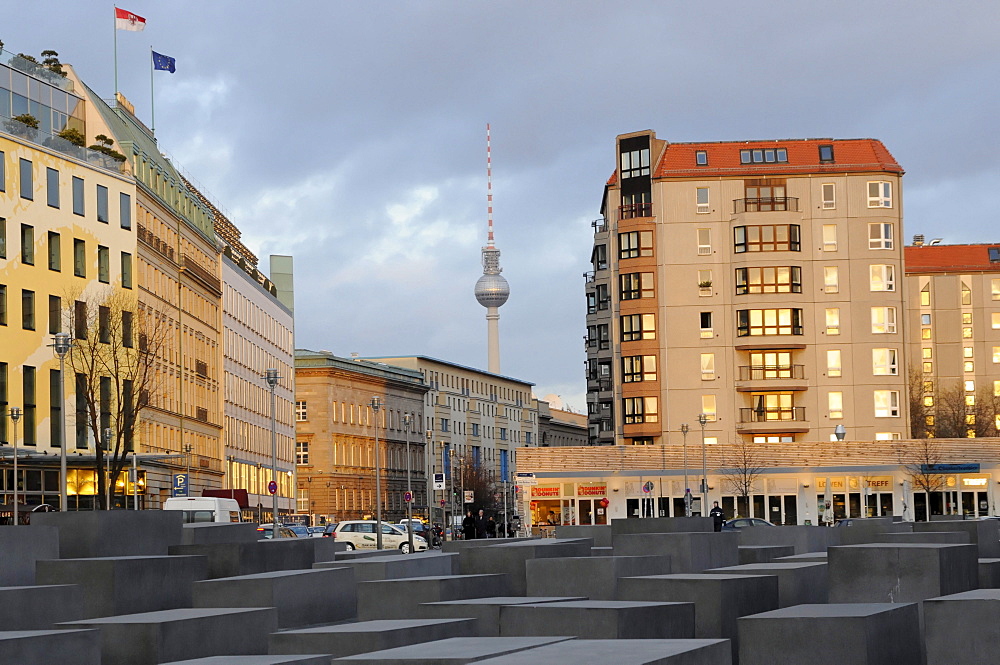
x: 164, y: 62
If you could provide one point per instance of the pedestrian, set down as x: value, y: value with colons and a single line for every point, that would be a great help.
x: 480, y: 525
x: 469, y: 526
x: 491, y: 528
x: 717, y: 515
x: 551, y: 519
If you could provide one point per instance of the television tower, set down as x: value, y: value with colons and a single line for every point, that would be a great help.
x: 492, y: 289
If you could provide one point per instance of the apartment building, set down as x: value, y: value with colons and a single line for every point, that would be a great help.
x: 758, y: 283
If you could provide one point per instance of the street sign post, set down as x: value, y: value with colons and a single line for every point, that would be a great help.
x: 180, y: 486
x: 525, y: 479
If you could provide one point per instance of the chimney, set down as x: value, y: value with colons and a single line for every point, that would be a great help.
x: 918, y: 240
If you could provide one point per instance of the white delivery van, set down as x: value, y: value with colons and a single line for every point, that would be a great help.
x: 199, y: 509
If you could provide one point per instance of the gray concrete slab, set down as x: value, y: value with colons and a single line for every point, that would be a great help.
x: 867, y: 530
x: 39, y: 607
x: 798, y: 583
x: 689, y: 552
x: 807, y: 557
x: 159, y: 637
x: 984, y: 533
x: 963, y: 628
x: 214, y: 533
x: 486, y: 611
x: 462, y: 545
x: 21, y: 547
x: 350, y: 555
x: 621, y: 527
x: 454, y: 651
x: 600, y: 619
x: 600, y: 533
x: 302, y: 597
x: 900, y: 573
x: 802, y: 538
x: 46, y: 647
x: 399, y: 599
x: 595, y: 578
x: 763, y: 553
x: 957, y: 537
x: 424, y: 564
x: 510, y: 558
x: 365, y: 636
x: 303, y: 659
x: 127, y: 584
x: 258, y: 556
x: 719, y: 599
x: 104, y: 533
x: 989, y: 573
x: 859, y: 634
x: 633, y: 652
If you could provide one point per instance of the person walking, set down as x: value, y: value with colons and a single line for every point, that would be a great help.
x: 717, y: 515
x: 481, y: 525
x: 491, y: 528
x: 469, y: 526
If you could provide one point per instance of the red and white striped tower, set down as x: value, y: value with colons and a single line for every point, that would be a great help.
x: 492, y: 289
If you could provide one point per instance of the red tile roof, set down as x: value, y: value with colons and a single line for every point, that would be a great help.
x: 948, y: 258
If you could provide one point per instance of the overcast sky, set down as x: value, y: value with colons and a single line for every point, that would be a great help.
x: 351, y: 135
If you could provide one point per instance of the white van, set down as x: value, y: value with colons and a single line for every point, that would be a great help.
x: 198, y: 509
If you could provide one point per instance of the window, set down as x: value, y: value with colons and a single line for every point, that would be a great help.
x: 27, y: 309
x: 636, y: 285
x: 927, y: 353
x: 880, y: 235
x: 3, y: 228
x: 634, y: 244
x: 635, y: 163
x: 55, y: 251
x: 302, y: 452
x: 444, y: 424
x: 831, y: 279
x: 886, y: 403
x: 27, y: 244
x: 126, y: 270
x: 833, y: 321
x: 880, y: 194
x: 103, y: 324
x: 882, y: 278
x: 970, y: 386
x: 3, y: 188
x: 835, y: 401
x: 602, y: 297
x: 928, y: 367
x: 3, y: 304
x: 638, y: 326
x: 80, y: 322
x: 884, y: 362
x: 591, y: 303
x: 599, y: 257
x: 707, y: 366
x: 640, y: 410
x: 771, y: 365
x: 754, y: 322
x: 767, y: 238
x: 27, y: 188
x: 301, y: 414
x: 55, y: 315
x: 701, y: 157
x: 705, y: 244
x: 701, y: 196
x: 996, y: 354
x: 636, y: 204
x: 829, y: 237
x: 966, y: 294
x: 706, y: 325
x: 995, y: 320
x: 828, y: 196
x: 125, y: 210
x: 995, y: 288
x: 925, y: 319
x: 78, y: 203
x: 475, y: 429
x: 883, y: 320
x: 761, y: 156
x: 708, y: 406
x: 127, y: 330
x: 52, y: 187
x: 765, y: 195
x: 638, y: 368
x: 925, y: 297
x: 102, y: 204
x: 103, y: 264
x: 777, y: 279
x: 79, y: 257
x: 55, y: 409
x: 826, y: 153
x: 28, y: 424
x: 968, y: 352
x: 969, y: 366
x: 833, y: 363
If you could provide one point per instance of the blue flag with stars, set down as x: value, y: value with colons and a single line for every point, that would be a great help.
x: 164, y: 62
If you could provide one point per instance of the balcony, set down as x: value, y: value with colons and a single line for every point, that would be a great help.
x: 635, y: 210
x: 772, y: 419
x: 600, y: 225
x: 766, y: 204
x: 770, y: 378
x: 598, y: 385
x: 588, y: 276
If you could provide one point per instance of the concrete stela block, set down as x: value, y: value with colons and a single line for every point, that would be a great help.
x: 962, y: 628
x: 600, y: 619
x: 366, y: 636
x: 45, y: 647
x: 900, y: 572
x: 453, y: 651
x: 105, y: 533
x: 689, y: 552
x: 595, y: 578
x: 21, y: 547
x: 510, y: 558
x: 633, y: 652
x: 399, y: 599
x: 486, y: 611
x: 427, y: 564
x: 303, y: 659
x: 763, y: 553
x: 798, y: 583
x: 39, y: 607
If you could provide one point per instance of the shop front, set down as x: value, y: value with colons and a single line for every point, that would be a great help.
x: 568, y: 504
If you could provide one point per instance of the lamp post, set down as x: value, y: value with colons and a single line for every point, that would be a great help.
x: 107, y: 469
x: 376, y: 405
x: 407, y: 418
x: 702, y: 419
x: 15, y: 415
x: 451, y: 502
x: 271, y: 376
x: 61, y: 344
x: 687, y: 488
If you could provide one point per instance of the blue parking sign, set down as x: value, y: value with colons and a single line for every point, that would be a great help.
x: 180, y: 487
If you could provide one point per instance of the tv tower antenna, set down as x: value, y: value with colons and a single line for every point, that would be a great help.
x: 492, y: 289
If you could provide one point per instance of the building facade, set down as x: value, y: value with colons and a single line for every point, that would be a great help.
x: 557, y: 427
x: 336, y: 433
x: 758, y: 283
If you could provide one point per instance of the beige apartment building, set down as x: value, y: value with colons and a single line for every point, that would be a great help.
x: 558, y: 427
x: 756, y: 282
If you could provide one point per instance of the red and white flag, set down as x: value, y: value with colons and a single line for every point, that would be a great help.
x: 126, y: 20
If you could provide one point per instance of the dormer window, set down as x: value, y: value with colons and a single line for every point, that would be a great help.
x: 764, y: 156
x: 701, y: 157
x: 826, y: 153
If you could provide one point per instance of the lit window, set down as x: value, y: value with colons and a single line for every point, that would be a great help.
x: 300, y: 412
x: 636, y: 285
x: 880, y: 235
x: 970, y: 400
x: 879, y: 194
x: 884, y: 362
x: 829, y: 237
x: 970, y: 386
x: 882, y: 278
x: 996, y: 388
x: 707, y: 366
x: 928, y: 367
x: 755, y: 322
x: 886, y: 403
x: 769, y: 279
x: 708, y: 406
x: 701, y: 157
x: 925, y: 334
x: 836, y: 404
x: 967, y: 318
x: 968, y: 352
x: 966, y: 294
x: 829, y: 202
x: 925, y: 298
x: 995, y: 320
x: 640, y: 410
x: 928, y: 400
x: 635, y: 163
x: 638, y: 368
x: 635, y: 244
x: 995, y: 288
x: 969, y: 366
x: 996, y: 354
x: 887, y: 436
x: 883, y: 320
x: 927, y: 354
x: 702, y: 199
x: 767, y: 238
x: 704, y: 242
x: 302, y: 452
x: 833, y: 362
x: 967, y: 333
x: 833, y: 321
x: 831, y: 283
x: 638, y: 326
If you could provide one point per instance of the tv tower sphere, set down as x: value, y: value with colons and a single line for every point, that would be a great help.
x: 492, y: 290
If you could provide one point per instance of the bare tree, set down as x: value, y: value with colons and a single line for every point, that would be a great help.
x: 920, y: 458
x: 479, y: 479
x: 742, y: 465
x: 981, y: 414
x: 116, y: 341
x: 921, y: 412
x: 951, y: 411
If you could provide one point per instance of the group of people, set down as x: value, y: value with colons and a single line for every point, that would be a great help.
x: 478, y: 526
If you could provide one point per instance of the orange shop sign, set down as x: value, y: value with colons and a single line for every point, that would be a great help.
x: 545, y: 491
x: 591, y: 490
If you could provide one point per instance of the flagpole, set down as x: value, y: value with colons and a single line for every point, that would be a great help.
x: 115, y: 25
x: 152, y: 97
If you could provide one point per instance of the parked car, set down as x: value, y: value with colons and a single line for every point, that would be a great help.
x: 198, y: 509
x: 361, y: 534
x: 267, y: 531
x: 316, y: 531
x: 300, y: 531
x: 419, y: 528
x: 329, y: 529
x: 743, y: 523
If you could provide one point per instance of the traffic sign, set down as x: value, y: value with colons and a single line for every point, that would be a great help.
x: 648, y: 486
x: 443, y: 502
x: 272, y: 487
x: 407, y: 497
x: 439, y: 481
x: 525, y: 478
x: 180, y: 486
x: 469, y: 496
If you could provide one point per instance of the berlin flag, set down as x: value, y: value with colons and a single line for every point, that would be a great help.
x: 126, y: 20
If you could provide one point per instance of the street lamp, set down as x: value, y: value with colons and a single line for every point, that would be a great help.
x: 62, y: 343
x: 107, y: 469
x: 687, y: 488
x: 376, y: 405
x: 15, y: 415
x: 840, y: 432
x: 702, y: 419
x: 451, y: 500
x: 407, y: 418
x: 271, y: 376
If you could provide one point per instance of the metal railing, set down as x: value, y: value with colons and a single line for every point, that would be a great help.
x: 773, y: 414
x: 36, y: 70
x: 769, y: 372
x: 57, y: 143
x: 766, y: 204
x: 633, y: 210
